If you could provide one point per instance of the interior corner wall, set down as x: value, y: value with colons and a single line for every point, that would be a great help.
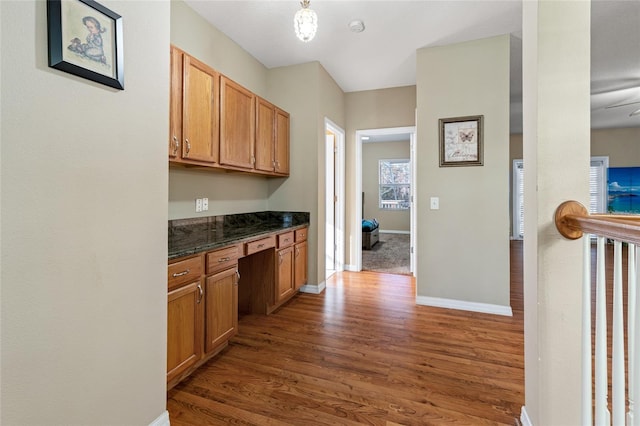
x: 372, y: 153
x: 303, y: 190
x: 370, y: 109
x: 622, y: 146
x: 84, y: 227
x: 228, y: 193
x: 463, y: 248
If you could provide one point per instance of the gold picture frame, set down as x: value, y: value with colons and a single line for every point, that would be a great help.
x: 461, y: 141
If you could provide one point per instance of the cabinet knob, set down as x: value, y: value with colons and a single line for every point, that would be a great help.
x: 188, y: 145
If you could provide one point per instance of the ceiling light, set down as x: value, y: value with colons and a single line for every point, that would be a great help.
x: 356, y: 26
x: 305, y: 22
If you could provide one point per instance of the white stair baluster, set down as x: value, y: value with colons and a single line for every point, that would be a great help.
x: 634, y: 360
x: 631, y: 315
x: 602, y: 413
x: 617, y: 351
x: 587, y: 389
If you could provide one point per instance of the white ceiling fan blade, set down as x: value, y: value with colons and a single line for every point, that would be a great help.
x: 621, y: 105
x: 636, y: 112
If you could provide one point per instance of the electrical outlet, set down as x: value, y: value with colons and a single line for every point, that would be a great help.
x: 205, y: 204
x: 198, y: 205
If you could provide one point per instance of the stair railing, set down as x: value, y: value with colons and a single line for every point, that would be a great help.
x: 573, y: 221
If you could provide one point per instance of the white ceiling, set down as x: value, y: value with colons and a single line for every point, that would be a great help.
x: 384, y: 55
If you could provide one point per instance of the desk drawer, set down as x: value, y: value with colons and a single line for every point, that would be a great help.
x: 285, y: 240
x: 184, y: 271
x: 261, y: 244
x: 223, y: 258
x: 301, y: 234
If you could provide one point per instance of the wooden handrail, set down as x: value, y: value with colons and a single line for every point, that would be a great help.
x: 573, y: 219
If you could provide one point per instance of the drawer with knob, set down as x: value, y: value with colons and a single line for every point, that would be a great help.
x: 221, y: 259
x: 261, y: 244
x: 286, y: 239
x: 184, y: 271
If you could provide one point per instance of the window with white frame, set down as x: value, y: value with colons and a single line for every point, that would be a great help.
x: 394, y: 178
x: 597, y: 191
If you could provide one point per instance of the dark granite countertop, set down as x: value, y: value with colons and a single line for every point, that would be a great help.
x: 191, y: 236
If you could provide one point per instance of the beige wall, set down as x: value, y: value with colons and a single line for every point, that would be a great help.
x: 84, y: 227
x: 304, y: 189
x: 238, y: 193
x: 463, y: 248
x: 390, y: 220
x: 227, y: 192
x: 622, y: 146
x: 372, y: 109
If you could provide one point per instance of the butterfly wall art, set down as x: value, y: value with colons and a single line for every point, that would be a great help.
x: 461, y: 141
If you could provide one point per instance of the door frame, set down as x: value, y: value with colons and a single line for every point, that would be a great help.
x: 356, y: 225
x: 339, y: 184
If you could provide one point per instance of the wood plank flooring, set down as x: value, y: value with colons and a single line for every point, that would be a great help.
x: 363, y: 353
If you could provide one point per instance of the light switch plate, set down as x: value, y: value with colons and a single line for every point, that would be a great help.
x: 434, y: 203
x: 205, y: 204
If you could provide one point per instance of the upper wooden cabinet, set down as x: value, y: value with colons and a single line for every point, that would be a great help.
x: 217, y: 123
x: 194, y: 111
x: 265, y: 135
x: 237, y: 125
x: 282, y: 142
x: 272, y: 138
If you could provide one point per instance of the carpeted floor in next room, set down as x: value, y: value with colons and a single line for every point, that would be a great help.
x: 389, y: 255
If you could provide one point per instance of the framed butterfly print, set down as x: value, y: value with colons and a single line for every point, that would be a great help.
x: 461, y: 141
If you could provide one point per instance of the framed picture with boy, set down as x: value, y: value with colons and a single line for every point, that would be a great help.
x: 85, y: 39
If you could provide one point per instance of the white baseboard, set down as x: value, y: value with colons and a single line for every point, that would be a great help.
x: 163, y: 420
x: 313, y: 289
x: 524, y: 417
x: 463, y: 305
x: 391, y: 231
x: 350, y: 268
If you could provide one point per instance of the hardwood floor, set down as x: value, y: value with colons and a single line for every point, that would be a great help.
x: 363, y: 353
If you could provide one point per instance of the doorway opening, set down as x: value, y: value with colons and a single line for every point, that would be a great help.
x: 372, y: 201
x: 334, y: 198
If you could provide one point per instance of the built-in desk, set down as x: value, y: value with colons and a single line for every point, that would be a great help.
x: 220, y: 266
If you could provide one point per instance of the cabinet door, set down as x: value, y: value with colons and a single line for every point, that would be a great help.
x: 184, y: 329
x: 284, y: 274
x: 282, y: 142
x: 175, y: 105
x: 237, y: 125
x: 300, y: 264
x: 200, y: 111
x: 265, y: 135
x: 221, y: 308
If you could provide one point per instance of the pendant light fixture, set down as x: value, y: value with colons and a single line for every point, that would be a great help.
x: 305, y: 22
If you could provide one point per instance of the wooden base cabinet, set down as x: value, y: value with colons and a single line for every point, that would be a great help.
x: 221, y: 308
x: 300, y: 264
x: 284, y: 275
x: 184, y: 329
x: 202, y: 310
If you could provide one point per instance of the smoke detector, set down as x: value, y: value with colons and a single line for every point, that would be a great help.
x: 356, y: 26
